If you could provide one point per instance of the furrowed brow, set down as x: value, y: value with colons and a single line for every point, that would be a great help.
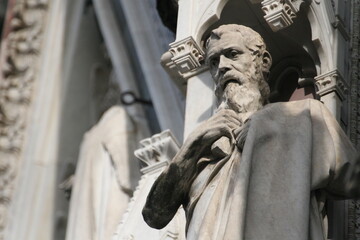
x: 215, y: 53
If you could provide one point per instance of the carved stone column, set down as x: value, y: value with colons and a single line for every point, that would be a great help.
x: 156, y: 152
x: 332, y: 90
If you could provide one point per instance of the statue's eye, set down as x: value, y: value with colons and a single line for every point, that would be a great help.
x: 233, y: 53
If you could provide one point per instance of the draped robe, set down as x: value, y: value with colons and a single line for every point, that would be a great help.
x: 105, y: 175
x: 295, y: 156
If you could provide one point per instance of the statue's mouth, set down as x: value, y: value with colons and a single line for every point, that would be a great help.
x: 226, y: 83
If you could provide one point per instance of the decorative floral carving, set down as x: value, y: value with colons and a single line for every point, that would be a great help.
x: 331, y: 82
x: 16, y: 87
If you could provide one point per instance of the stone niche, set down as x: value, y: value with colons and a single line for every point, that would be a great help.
x: 309, y: 42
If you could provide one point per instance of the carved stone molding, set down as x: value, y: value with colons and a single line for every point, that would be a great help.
x: 184, y: 59
x: 279, y: 14
x: 157, y: 150
x: 19, y: 67
x: 331, y: 82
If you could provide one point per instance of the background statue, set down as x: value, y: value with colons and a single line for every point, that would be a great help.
x: 105, y: 178
x: 254, y: 170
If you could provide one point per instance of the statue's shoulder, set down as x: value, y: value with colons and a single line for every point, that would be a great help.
x: 286, y: 109
x: 305, y: 103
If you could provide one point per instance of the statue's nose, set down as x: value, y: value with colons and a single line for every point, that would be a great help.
x: 224, y: 65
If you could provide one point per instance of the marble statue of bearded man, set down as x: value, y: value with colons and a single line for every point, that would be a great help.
x: 254, y: 171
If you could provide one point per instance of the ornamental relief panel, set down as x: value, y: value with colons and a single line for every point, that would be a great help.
x: 23, y: 46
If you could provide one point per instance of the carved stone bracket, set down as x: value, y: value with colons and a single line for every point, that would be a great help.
x: 279, y: 14
x: 157, y: 151
x: 187, y: 55
x: 331, y: 82
x: 184, y: 59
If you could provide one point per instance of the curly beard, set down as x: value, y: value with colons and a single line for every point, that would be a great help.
x: 248, y: 94
x: 241, y: 98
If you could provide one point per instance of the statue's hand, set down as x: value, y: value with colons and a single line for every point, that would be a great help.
x: 172, y: 187
x: 241, y: 134
x: 219, y: 125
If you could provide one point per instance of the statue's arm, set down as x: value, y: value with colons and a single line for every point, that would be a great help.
x: 171, y: 189
x: 343, y: 164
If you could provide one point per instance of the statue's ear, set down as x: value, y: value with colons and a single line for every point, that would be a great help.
x: 266, y: 61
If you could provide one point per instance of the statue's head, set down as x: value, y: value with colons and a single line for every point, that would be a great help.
x: 239, y: 65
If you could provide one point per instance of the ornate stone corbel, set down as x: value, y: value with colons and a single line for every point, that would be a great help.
x: 331, y: 82
x: 157, y: 151
x: 279, y: 14
x: 184, y: 59
x: 186, y: 55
